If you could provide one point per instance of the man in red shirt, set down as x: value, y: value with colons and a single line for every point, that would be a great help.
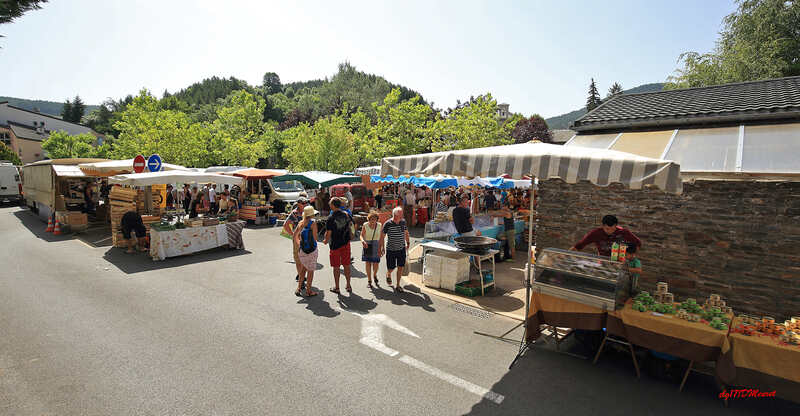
x: 605, y: 236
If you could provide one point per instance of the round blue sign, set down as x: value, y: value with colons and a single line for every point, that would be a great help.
x: 154, y: 163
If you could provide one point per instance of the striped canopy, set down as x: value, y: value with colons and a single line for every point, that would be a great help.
x: 544, y: 161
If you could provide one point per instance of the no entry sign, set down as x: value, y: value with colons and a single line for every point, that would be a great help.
x: 139, y: 164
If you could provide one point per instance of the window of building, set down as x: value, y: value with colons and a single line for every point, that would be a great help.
x: 595, y: 141
x: 772, y: 148
x: 705, y: 150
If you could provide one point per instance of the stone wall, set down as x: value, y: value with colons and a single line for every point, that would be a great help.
x: 738, y: 239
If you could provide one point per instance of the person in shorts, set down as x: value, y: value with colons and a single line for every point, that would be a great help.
x: 370, y: 234
x: 338, y: 235
x: 395, y: 234
x: 289, y: 226
x: 132, y: 223
x: 305, y: 237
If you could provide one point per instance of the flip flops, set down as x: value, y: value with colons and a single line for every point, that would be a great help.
x: 298, y: 293
x: 311, y: 293
x: 398, y: 289
x: 389, y: 281
x: 336, y: 291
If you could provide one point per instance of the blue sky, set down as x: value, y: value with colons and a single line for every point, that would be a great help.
x: 536, y: 55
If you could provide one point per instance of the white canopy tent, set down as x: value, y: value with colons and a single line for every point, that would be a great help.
x: 173, y: 176
x: 117, y: 167
x: 543, y: 161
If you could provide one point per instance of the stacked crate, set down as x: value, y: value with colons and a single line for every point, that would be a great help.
x: 121, y: 200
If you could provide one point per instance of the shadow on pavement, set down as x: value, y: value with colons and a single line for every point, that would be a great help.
x: 545, y: 382
x: 354, y: 302
x: 37, y: 227
x: 411, y: 296
x: 141, y: 262
x: 318, y: 305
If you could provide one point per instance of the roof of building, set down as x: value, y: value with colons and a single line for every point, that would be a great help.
x: 57, y: 124
x: 28, y: 132
x: 561, y: 135
x: 743, y: 102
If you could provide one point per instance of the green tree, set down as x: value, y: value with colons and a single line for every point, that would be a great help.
x: 61, y: 144
x: 271, y: 83
x: 594, y: 97
x: 614, y: 90
x: 470, y: 126
x: 759, y: 40
x: 7, y: 154
x: 403, y: 127
x: 66, y: 110
x: 239, y: 134
x: 78, y: 110
x: 145, y: 128
x: 12, y: 9
x: 327, y: 145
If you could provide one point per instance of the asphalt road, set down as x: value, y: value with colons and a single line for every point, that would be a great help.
x: 92, y: 331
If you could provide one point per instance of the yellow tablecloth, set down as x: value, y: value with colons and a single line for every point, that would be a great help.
x: 669, y: 334
x: 766, y: 354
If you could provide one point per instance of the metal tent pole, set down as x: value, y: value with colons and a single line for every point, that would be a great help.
x: 523, y: 344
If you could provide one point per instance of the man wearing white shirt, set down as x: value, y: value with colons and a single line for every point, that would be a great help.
x: 408, y: 205
x: 212, y: 198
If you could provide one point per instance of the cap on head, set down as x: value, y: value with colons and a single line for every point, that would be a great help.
x: 302, y: 200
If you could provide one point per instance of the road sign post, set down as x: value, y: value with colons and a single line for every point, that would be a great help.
x: 154, y: 163
x: 139, y: 164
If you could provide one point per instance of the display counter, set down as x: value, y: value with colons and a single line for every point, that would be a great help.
x: 189, y: 240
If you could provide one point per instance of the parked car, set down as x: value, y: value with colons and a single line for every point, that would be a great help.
x: 10, y: 184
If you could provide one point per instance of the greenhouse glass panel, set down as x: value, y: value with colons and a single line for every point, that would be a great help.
x: 773, y: 148
x: 705, y: 150
x: 595, y: 141
x: 648, y: 144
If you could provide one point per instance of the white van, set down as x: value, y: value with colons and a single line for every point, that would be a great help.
x: 10, y: 185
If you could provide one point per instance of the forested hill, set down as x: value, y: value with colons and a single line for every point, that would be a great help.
x: 564, y: 120
x: 46, y: 107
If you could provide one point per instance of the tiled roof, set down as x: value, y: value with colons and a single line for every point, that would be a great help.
x: 27, y: 132
x: 769, y: 99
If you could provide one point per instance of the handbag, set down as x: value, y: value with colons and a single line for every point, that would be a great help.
x: 370, y: 252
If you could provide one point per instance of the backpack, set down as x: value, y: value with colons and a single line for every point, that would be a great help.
x: 307, y: 242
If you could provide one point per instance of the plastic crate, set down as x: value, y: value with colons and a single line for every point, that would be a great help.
x: 470, y: 291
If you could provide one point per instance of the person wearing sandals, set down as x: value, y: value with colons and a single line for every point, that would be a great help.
x: 396, y: 245
x: 338, y: 234
x: 370, y: 234
x: 305, y: 237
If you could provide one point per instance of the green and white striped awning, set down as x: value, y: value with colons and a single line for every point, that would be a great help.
x: 544, y: 161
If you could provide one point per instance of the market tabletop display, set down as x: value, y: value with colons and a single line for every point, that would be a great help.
x: 558, y: 312
x: 764, y: 355
x: 171, y: 240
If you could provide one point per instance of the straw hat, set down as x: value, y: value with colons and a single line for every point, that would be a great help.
x: 309, y: 211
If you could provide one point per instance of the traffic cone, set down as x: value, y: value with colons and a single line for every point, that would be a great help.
x: 49, y: 225
x: 57, y: 229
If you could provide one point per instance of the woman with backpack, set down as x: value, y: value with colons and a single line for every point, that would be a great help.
x: 305, y: 236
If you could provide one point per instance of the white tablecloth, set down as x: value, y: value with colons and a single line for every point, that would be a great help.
x: 173, y: 243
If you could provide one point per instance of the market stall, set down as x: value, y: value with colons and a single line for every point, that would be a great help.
x: 542, y: 161
x: 55, y: 190
x: 255, y: 206
x: 169, y: 234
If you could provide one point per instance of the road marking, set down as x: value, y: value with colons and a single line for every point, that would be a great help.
x: 372, y: 336
x: 100, y: 241
x: 454, y: 380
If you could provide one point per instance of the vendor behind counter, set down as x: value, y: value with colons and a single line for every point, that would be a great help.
x: 605, y: 236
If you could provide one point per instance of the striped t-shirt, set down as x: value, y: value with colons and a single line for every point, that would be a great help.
x: 395, y: 235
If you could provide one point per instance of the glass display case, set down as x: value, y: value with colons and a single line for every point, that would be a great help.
x: 584, y: 278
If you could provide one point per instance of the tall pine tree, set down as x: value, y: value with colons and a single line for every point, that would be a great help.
x: 78, y: 110
x: 594, y: 97
x: 66, y: 110
x: 614, y: 90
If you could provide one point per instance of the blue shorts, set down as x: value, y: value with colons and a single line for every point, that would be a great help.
x: 395, y: 259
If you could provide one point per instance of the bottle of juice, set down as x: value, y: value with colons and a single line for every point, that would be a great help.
x: 622, y: 255
x: 614, y: 251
